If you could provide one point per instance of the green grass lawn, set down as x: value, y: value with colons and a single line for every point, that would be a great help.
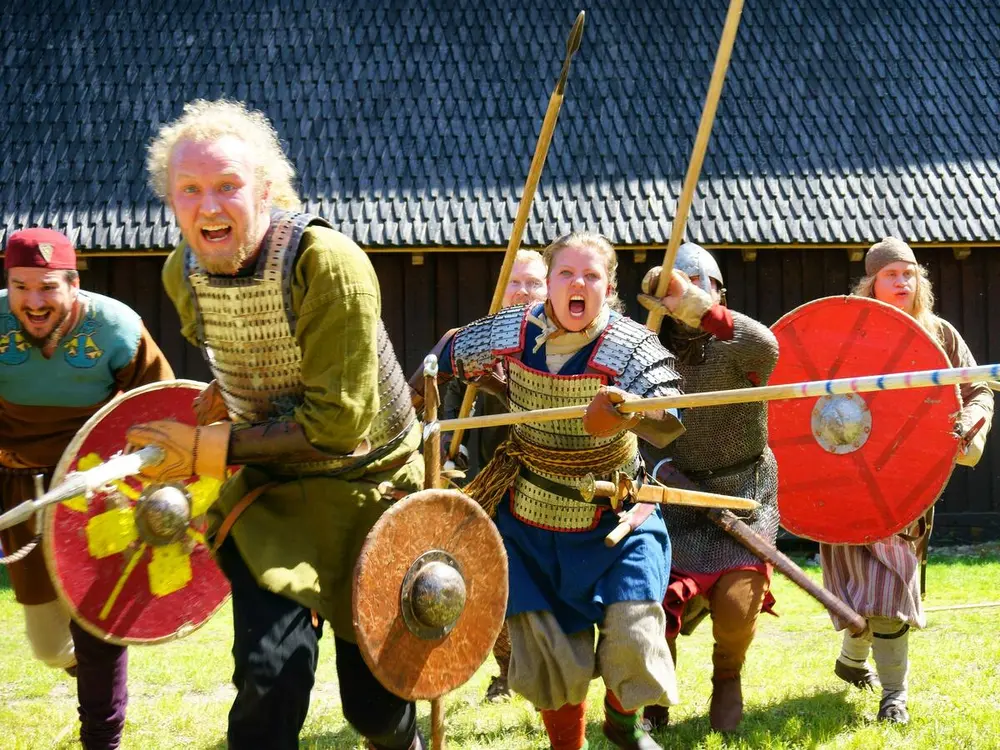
x: 180, y: 692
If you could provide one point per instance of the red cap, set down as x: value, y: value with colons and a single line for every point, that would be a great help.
x: 40, y: 248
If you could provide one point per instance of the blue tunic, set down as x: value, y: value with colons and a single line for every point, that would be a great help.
x: 83, y: 370
x: 572, y: 573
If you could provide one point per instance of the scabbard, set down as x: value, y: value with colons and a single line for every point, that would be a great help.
x: 767, y: 552
x: 652, y: 493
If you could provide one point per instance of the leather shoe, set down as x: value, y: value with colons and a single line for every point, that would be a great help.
x: 863, y: 678
x: 656, y: 717
x: 892, y: 709
x: 726, y: 709
x: 637, y: 739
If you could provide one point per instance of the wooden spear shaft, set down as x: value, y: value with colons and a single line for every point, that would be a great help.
x: 655, y: 317
x: 524, y: 208
x: 867, y: 384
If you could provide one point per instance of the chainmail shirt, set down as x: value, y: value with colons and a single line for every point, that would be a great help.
x: 720, y: 444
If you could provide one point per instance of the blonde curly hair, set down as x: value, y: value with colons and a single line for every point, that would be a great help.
x: 204, y: 120
x: 923, y: 299
x: 602, y: 245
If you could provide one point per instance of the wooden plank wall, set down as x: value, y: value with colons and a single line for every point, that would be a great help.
x: 420, y: 302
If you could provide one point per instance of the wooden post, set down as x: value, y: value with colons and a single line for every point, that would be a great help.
x: 432, y: 479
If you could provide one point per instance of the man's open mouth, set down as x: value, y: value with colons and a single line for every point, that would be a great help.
x: 216, y: 232
x: 38, y: 318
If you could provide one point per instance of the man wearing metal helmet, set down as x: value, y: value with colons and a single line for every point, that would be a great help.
x: 716, y: 348
x: 64, y: 353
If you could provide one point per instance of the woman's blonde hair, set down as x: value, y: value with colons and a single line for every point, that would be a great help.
x: 204, y: 120
x: 601, y: 245
x: 923, y: 300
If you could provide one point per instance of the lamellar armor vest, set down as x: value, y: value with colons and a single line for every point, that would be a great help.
x: 626, y: 355
x: 724, y: 449
x: 246, y: 330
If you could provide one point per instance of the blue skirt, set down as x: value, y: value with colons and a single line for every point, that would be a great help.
x: 575, y: 576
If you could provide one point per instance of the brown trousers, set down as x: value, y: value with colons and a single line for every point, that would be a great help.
x: 29, y: 577
x: 734, y: 603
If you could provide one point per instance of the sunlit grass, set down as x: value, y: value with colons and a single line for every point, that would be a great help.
x: 180, y: 692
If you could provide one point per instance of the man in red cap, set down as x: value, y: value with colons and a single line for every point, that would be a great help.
x: 64, y: 353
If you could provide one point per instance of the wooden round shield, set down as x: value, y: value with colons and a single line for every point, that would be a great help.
x: 123, y: 581
x: 863, y: 466
x: 439, y: 546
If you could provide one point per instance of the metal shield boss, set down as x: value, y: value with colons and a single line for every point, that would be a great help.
x: 430, y: 593
x: 858, y: 467
x: 131, y: 560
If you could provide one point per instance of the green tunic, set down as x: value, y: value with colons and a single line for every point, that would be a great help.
x: 302, y: 537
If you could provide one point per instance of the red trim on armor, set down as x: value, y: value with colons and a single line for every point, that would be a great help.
x: 597, y: 348
x: 451, y: 357
x: 718, y: 321
x: 520, y: 338
x: 603, y: 378
x: 526, y: 522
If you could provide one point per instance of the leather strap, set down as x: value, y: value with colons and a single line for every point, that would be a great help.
x: 725, y: 471
x: 237, y: 511
x: 561, y: 490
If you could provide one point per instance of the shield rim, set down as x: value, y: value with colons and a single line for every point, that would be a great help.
x: 908, y: 321
x: 415, y: 692
x: 48, y: 519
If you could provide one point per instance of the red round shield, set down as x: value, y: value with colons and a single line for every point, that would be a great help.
x: 121, y: 582
x: 860, y: 467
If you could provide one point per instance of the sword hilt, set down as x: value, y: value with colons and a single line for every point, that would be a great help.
x: 617, y: 491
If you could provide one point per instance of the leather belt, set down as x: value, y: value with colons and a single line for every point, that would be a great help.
x: 562, y: 490
x: 725, y: 471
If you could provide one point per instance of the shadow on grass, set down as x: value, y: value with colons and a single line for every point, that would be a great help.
x: 346, y: 737
x: 342, y: 739
x: 803, y: 722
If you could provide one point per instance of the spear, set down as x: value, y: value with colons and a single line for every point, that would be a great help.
x: 655, y: 317
x: 865, y: 384
x: 524, y: 208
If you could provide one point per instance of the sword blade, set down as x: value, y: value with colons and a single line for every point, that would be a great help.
x: 81, y: 482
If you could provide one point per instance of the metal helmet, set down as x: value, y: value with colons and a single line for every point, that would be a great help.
x: 694, y: 260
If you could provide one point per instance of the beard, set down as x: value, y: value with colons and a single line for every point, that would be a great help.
x: 40, y: 342
x: 687, y: 343
x: 230, y: 265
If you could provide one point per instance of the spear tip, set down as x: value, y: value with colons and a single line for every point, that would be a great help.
x: 576, y: 35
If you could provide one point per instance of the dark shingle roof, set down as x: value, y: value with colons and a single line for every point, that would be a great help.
x: 840, y: 122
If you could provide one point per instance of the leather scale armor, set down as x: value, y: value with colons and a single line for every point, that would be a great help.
x: 246, y: 329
